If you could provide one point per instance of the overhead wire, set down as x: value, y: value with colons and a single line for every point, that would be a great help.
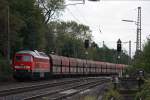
x: 81, y: 15
x: 73, y: 15
x: 76, y: 17
x: 86, y: 21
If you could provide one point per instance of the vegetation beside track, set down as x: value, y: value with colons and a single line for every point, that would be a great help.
x: 89, y: 98
x: 144, y: 94
x: 111, y: 93
x: 139, y: 93
x: 142, y: 62
x: 142, y: 58
x: 5, y: 70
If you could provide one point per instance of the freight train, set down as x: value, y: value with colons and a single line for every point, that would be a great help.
x: 34, y: 64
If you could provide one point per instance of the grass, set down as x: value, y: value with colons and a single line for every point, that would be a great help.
x: 89, y: 98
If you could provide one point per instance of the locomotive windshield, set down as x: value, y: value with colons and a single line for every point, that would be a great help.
x: 23, y: 58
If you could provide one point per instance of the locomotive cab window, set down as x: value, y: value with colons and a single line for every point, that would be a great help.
x: 24, y: 58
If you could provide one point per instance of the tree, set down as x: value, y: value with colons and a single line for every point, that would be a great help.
x: 143, y: 60
x: 79, y: 30
x: 32, y: 33
x: 3, y: 26
x: 51, y: 8
x: 27, y: 27
x: 16, y: 23
x: 68, y: 38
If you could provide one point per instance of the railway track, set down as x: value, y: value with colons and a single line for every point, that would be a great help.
x: 79, y: 89
x: 35, y: 92
x: 10, y: 91
x: 60, y: 94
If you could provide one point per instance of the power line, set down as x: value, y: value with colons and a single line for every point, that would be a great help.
x: 85, y: 20
x: 73, y: 15
x: 83, y: 17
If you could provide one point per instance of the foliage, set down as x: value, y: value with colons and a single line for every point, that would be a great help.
x: 112, y: 94
x: 143, y: 59
x: 72, y: 29
x: 89, y: 98
x: 32, y: 33
x: 5, y: 70
x: 145, y: 92
x: 51, y: 8
x: 27, y: 24
x: 67, y: 40
x: 130, y: 70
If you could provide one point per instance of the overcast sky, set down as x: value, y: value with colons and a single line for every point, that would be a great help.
x: 106, y: 16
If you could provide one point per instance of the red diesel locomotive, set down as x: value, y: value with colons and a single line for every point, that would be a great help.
x: 34, y: 64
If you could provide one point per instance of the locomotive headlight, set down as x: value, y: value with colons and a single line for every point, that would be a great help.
x: 22, y: 67
x: 16, y: 66
x: 27, y: 67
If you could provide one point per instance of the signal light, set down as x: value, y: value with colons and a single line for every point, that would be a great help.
x: 86, y: 44
x: 119, y: 47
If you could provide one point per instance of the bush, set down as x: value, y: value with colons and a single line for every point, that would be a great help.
x: 5, y: 70
x: 112, y: 94
x: 129, y: 70
x: 145, y: 92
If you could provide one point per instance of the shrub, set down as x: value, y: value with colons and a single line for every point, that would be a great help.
x: 145, y: 92
x: 112, y: 94
x: 5, y: 70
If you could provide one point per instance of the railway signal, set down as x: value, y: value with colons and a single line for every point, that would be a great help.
x: 86, y: 43
x: 119, y: 45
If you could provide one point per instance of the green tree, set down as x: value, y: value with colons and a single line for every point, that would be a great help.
x: 143, y: 59
x: 33, y: 32
x: 66, y: 40
x: 16, y: 23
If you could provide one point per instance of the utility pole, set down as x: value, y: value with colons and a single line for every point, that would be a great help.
x: 138, y: 38
x: 104, y: 57
x: 103, y: 44
x: 129, y: 52
x: 8, y: 36
x: 130, y: 48
x: 138, y: 31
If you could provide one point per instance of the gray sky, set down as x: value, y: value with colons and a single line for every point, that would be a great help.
x: 106, y: 16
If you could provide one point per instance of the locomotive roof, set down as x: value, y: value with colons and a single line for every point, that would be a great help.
x: 34, y: 53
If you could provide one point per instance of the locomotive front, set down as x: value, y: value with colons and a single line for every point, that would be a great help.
x: 30, y: 64
x: 22, y: 64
